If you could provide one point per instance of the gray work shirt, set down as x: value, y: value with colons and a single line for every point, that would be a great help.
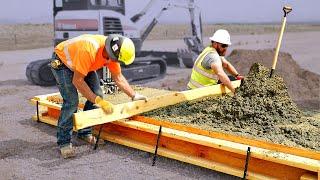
x: 209, y: 59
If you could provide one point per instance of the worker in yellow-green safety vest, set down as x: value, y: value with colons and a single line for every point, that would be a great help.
x: 208, y: 68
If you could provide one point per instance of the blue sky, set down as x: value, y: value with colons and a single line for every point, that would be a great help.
x: 226, y: 11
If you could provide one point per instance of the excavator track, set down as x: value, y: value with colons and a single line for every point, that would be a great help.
x: 39, y: 73
x: 145, y: 69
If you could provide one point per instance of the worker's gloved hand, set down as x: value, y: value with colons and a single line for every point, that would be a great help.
x: 239, y: 77
x: 106, y: 106
x: 138, y: 96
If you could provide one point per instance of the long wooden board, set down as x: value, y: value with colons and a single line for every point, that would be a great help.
x: 233, y: 138
x: 121, y: 111
x: 260, y: 153
x: 212, y: 153
x: 206, y: 151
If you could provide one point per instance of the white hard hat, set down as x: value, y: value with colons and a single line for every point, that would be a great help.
x: 221, y: 36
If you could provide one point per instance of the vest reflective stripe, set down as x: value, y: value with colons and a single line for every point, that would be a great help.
x: 204, y: 73
x: 71, y: 41
x: 200, y: 76
x: 194, y: 84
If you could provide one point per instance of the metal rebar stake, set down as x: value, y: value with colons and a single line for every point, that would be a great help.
x: 246, y: 165
x: 98, y: 138
x: 156, y: 151
x: 38, y: 118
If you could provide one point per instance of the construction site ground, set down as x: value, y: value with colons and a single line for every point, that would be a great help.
x: 28, y: 149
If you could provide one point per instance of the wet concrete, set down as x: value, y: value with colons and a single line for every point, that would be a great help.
x: 260, y: 109
x: 118, y: 97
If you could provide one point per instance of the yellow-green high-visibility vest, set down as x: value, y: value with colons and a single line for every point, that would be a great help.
x: 201, y: 77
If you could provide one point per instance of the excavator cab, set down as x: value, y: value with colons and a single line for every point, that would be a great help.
x: 75, y: 17
x: 114, y: 5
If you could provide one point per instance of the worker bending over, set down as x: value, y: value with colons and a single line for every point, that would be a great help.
x: 208, y: 68
x: 79, y: 59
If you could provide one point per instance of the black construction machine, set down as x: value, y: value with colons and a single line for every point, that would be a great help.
x: 76, y: 17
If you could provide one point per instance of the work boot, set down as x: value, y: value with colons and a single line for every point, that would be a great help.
x: 91, y: 139
x: 67, y: 151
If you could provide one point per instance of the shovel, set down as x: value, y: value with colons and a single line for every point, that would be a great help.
x: 286, y: 10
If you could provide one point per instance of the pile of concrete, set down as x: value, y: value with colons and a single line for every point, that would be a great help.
x: 259, y: 100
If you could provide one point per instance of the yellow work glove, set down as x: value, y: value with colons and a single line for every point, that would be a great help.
x: 106, y: 106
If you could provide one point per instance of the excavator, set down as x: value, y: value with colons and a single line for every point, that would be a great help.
x: 75, y: 17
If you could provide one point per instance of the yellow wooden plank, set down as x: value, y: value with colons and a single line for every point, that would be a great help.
x: 121, y: 111
x: 182, y: 157
x: 233, y: 138
x: 44, y: 97
x: 46, y: 103
x: 46, y: 119
x: 308, y: 177
x: 260, y: 153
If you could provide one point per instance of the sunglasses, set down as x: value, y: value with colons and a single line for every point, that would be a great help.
x: 224, y: 45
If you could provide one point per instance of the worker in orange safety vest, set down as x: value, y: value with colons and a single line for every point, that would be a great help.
x: 79, y: 59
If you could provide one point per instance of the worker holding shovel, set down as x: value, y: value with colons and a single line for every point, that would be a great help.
x: 208, y: 68
x: 74, y: 66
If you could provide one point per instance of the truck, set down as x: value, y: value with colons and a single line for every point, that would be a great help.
x: 75, y: 17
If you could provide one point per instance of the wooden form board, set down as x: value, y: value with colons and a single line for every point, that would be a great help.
x: 270, y: 155
x: 188, y: 145
x: 121, y: 111
x: 216, y: 154
x: 233, y: 138
x: 204, y: 151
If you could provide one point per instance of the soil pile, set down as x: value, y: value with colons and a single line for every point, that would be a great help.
x: 303, y: 86
x: 261, y: 108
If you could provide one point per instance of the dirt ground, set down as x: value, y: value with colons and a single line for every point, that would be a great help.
x: 28, y: 149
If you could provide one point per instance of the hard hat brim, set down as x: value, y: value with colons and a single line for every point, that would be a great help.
x: 212, y: 39
x: 128, y: 62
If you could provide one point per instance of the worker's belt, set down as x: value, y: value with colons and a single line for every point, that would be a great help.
x: 56, y: 62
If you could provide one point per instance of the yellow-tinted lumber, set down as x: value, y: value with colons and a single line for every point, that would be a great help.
x: 183, y: 157
x: 209, y: 152
x: 125, y: 110
x: 44, y: 102
x: 260, y: 153
x: 308, y: 177
x: 233, y: 138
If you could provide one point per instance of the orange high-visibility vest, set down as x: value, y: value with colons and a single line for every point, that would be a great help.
x: 84, y: 54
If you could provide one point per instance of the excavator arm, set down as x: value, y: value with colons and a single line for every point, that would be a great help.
x: 145, y: 20
x: 149, y: 17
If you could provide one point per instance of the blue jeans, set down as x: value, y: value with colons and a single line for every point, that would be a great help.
x: 68, y: 91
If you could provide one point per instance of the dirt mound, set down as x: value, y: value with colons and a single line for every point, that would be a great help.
x: 261, y: 108
x: 303, y: 86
